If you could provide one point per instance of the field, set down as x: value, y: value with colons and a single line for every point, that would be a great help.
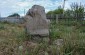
x: 73, y: 34
x: 13, y: 40
x: 11, y: 36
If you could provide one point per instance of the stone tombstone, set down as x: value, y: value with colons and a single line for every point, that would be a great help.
x: 36, y: 22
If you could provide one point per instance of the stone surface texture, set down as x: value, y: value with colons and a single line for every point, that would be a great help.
x: 36, y: 22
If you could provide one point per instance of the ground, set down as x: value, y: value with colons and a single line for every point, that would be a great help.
x: 14, y: 41
x: 10, y: 38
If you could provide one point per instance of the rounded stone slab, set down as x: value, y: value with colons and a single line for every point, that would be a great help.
x: 36, y: 22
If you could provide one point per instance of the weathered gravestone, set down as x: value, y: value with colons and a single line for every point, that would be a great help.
x: 36, y: 22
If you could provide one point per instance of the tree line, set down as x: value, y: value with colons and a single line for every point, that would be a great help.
x: 76, y: 11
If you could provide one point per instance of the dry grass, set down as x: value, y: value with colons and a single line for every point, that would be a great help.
x: 73, y: 34
x: 11, y: 36
x: 12, y: 40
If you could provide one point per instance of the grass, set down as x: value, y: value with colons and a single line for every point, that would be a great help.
x: 14, y: 41
x: 73, y: 34
x: 11, y: 36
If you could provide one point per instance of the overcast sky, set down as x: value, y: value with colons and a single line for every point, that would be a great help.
x: 8, y: 7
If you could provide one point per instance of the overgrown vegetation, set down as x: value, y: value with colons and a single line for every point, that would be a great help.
x: 15, y: 41
x: 76, y: 11
x: 73, y: 34
x: 11, y: 37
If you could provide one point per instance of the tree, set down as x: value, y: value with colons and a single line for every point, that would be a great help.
x: 58, y: 11
x: 78, y: 10
x: 14, y: 15
x: 52, y: 14
x: 68, y: 14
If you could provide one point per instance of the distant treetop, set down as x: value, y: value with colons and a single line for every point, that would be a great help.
x: 14, y: 15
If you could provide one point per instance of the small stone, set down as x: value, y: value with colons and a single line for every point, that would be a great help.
x: 20, y: 47
x: 58, y: 42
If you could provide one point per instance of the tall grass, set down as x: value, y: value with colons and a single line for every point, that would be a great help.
x: 11, y: 37
x: 73, y: 34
